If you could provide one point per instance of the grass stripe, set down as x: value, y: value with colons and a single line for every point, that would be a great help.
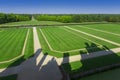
x: 13, y: 49
x: 97, y: 37
x: 29, y: 50
x: 108, y: 36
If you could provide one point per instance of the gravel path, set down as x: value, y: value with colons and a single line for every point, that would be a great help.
x: 40, y: 67
x: 86, y: 56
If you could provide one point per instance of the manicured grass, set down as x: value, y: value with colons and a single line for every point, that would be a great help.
x: 63, y: 40
x: 60, y: 39
x: 11, y: 43
x: 108, y: 75
x: 45, y: 47
x: 104, y: 35
x: 11, y: 77
x: 109, y: 45
x: 35, y: 22
x: 12, y: 63
x: 107, y: 27
x: 24, y: 23
x: 88, y: 64
x: 29, y: 51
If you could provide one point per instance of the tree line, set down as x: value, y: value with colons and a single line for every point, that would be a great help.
x: 65, y: 18
x: 69, y: 18
x: 5, y: 18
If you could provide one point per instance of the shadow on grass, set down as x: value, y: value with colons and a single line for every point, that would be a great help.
x: 90, y: 48
x: 88, y: 66
x: 11, y: 77
x: 12, y: 68
x: 37, y: 68
x: 10, y: 73
x: 34, y: 68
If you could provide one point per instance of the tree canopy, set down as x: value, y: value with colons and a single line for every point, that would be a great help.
x: 65, y: 18
x: 68, y: 18
x: 5, y: 18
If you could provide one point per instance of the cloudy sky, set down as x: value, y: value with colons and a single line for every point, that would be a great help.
x: 61, y: 6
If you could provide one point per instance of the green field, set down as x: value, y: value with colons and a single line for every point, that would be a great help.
x: 90, y: 30
x: 57, y: 40
x: 29, y: 51
x: 106, y: 31
x: 12, y: 42
x: 106, y: 27
x: 81, y: 39
x: 62, y: 41
x: 30, y: 23
x: 41, y: 23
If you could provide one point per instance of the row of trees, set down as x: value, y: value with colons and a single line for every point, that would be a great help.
x: 65, y: 18
x: 5, y: 18
x: 79, y: 18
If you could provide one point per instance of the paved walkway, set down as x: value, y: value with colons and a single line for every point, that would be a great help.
x: 40, y: 67
x: 86, y: 56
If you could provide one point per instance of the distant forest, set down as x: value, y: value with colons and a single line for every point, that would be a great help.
x: 65, y: 18
x: 76, y: 18
x: 5, y: 18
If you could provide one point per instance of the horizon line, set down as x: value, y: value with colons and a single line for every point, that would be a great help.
x: 56, y: 13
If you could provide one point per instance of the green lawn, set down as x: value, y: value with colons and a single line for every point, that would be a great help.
x: 11, y: 43
x: 88, y: 64
x: 58, y: 40
x: 35, y: 23
x: 62, y: 40
x: 12, y: 63
x: 104, y: 35
x: 107, y: 27
x: 95, y: 40
x: 16, y: 48
x: 25, y: 23
x: 29, y: 51
x: 45, y: 47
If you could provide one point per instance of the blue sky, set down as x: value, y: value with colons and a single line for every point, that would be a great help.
x: 61, y: 6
